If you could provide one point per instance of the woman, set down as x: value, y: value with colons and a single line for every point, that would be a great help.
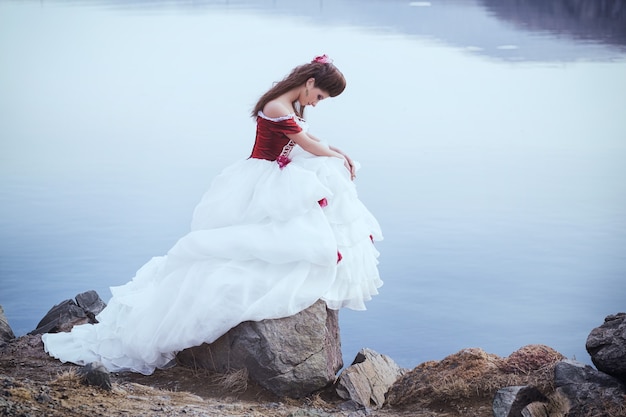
x: 273, y: 234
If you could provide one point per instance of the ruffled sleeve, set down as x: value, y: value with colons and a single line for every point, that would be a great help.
x: 282, y: 125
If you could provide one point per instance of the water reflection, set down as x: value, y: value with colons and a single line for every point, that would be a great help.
x: 601, y: 21
x: 518, y: 30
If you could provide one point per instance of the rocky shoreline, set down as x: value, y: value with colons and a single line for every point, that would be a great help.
x: 34, y: 384
x: 535, y: 381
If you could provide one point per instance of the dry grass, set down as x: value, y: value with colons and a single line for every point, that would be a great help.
x: 615, y: 410
x: 20, y: 394
x: 558, y: 405
x: 607, y: 409
x: 541, y: 409
x: 459, y: 387
x: 67, y: 377
x: 474, y: 375
x: 316, y: 401
x: 530, y: 358
x: 233, y: 382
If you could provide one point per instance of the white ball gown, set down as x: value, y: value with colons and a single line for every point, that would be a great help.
x: 273, y: 234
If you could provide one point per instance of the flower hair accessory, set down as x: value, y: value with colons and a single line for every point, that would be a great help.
x: 322, y: 59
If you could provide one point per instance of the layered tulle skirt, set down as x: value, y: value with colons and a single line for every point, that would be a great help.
x: 266, y: 242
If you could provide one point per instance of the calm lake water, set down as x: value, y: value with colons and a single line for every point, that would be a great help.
x: 491, y: 133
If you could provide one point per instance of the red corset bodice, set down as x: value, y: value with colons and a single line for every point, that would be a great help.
x: 271, y: 136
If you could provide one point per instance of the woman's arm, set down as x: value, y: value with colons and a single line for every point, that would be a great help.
x: 350, y: 164
x: 332, y: 148
x: 308, y: 142
x: 313, y: 145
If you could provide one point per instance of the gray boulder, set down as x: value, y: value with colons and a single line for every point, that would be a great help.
x: 368, y: 379
x: 607, y: 346
x: 588, y: 390
x: 292, y: 356
x: 569, y: 372
x: 6, y: 333
x: 511, y: 401
x: 69, y: 313
x: 91, y: 303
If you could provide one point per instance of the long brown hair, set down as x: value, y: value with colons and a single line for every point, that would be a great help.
x: 327, y: 78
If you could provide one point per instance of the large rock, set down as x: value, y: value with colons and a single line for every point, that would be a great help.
x: 607, y: 346
x: 6, y: 333
x: 292, y: 356
x: 368, y: 379
x: 587, y: 390
x: 570, y: 372
x: 69, y: 313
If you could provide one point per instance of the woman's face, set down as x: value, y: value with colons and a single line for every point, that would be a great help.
x: 311, y: 94
x: 315, y: 96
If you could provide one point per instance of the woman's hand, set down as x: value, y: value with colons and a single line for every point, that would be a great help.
x: 349, y: 164
x: 314, y: 146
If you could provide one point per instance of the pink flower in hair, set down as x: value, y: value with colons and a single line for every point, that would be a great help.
x: 322, y: 59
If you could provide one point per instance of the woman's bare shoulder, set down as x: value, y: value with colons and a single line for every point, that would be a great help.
x: 276, y: 108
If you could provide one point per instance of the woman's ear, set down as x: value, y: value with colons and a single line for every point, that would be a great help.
x: 310, y: 83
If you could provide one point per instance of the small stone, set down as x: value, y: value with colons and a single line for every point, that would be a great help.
x: 91, y: 303
x: 43, y: 398
x: 510, y: 401
x: 368, y: 379
x: 350, y: 405
x: 95, y: 374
